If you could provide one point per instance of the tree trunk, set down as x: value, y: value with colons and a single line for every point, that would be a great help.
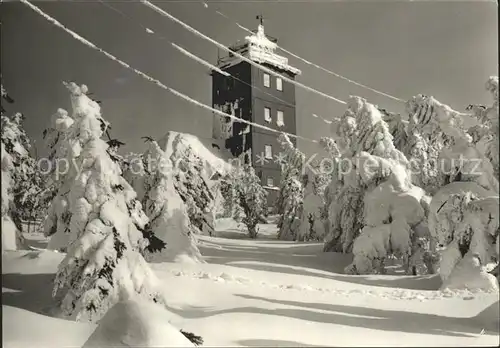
x: 252, y: 231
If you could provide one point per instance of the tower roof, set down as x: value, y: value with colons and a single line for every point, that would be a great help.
x: 260, y: 48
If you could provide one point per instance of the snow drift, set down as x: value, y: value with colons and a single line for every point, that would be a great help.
x: 136, y: 323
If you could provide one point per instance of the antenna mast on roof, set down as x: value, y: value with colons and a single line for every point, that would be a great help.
x: 261, y: 18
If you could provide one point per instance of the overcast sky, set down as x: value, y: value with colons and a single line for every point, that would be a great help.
x: 447, y: 49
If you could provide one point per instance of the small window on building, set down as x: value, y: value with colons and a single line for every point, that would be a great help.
x: 279, y: 84
x: 267, y: 80
x: 280, y: 119
x: 268, y: 152
x: 267, y: 115
x: 270, y: 181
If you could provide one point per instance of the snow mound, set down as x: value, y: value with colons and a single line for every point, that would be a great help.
x: 22, y: 328
x: 178, y: 145
x: 223, y: 224
x: 31, y: 262
x: 469, y: 274
x: 136, y: 323
x: 489, y: 318
x: 10, y: 234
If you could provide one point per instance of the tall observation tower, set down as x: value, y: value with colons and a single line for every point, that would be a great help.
x: 258, y: 97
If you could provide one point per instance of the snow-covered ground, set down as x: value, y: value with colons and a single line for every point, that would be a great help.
x: 264, y: 292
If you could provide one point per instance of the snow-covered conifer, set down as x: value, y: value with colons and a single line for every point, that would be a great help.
x: 192, y: 179
x: 375, y: 185
x: 396, y: 128
x: 104, y: 255
x: 463, y: 215
x: 166, y: 210
x: 291, y: 191
x: 311, y: 224
x: 20, y: 181
x: 62, y: 171
x: 486, y: 133
x: 251, y: 197
x: 231, y: 207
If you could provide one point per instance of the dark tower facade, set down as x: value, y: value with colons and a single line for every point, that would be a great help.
x: 256, y: 96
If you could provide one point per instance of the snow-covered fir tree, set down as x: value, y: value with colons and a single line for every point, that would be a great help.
x: 252, y: 197
x: 21, y: 182
x: 337, y: 193
x: 192, y: 180
x: 291, y: 190
x: 57, y: 136
x: 135, y: 172
x: 463, y: 215
x: 104, y: 255
x: 300, y: 197
x: 230, y: 206
x: 425, y: 142
x: 485, y: 135
x: 11, y: 236
x: 311, y: 224
x: 375, y: 184
x: 166, y: 210
x: 292, y: 193
x: 397, y: 128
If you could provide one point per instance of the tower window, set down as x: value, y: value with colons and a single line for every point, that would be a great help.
x: 229, y: 83
x: 280, y: 119
x: 268, y: 152
x: 267, y: 115
x: 270, y: 181
x: 267, y: 80
x: 279, y: 84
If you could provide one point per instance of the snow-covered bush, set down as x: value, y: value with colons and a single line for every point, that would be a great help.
x: 251, y: 197
x: 465, y: 224
x: 166, y: 211
x: 105, y: 221
x: 469, y: 273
